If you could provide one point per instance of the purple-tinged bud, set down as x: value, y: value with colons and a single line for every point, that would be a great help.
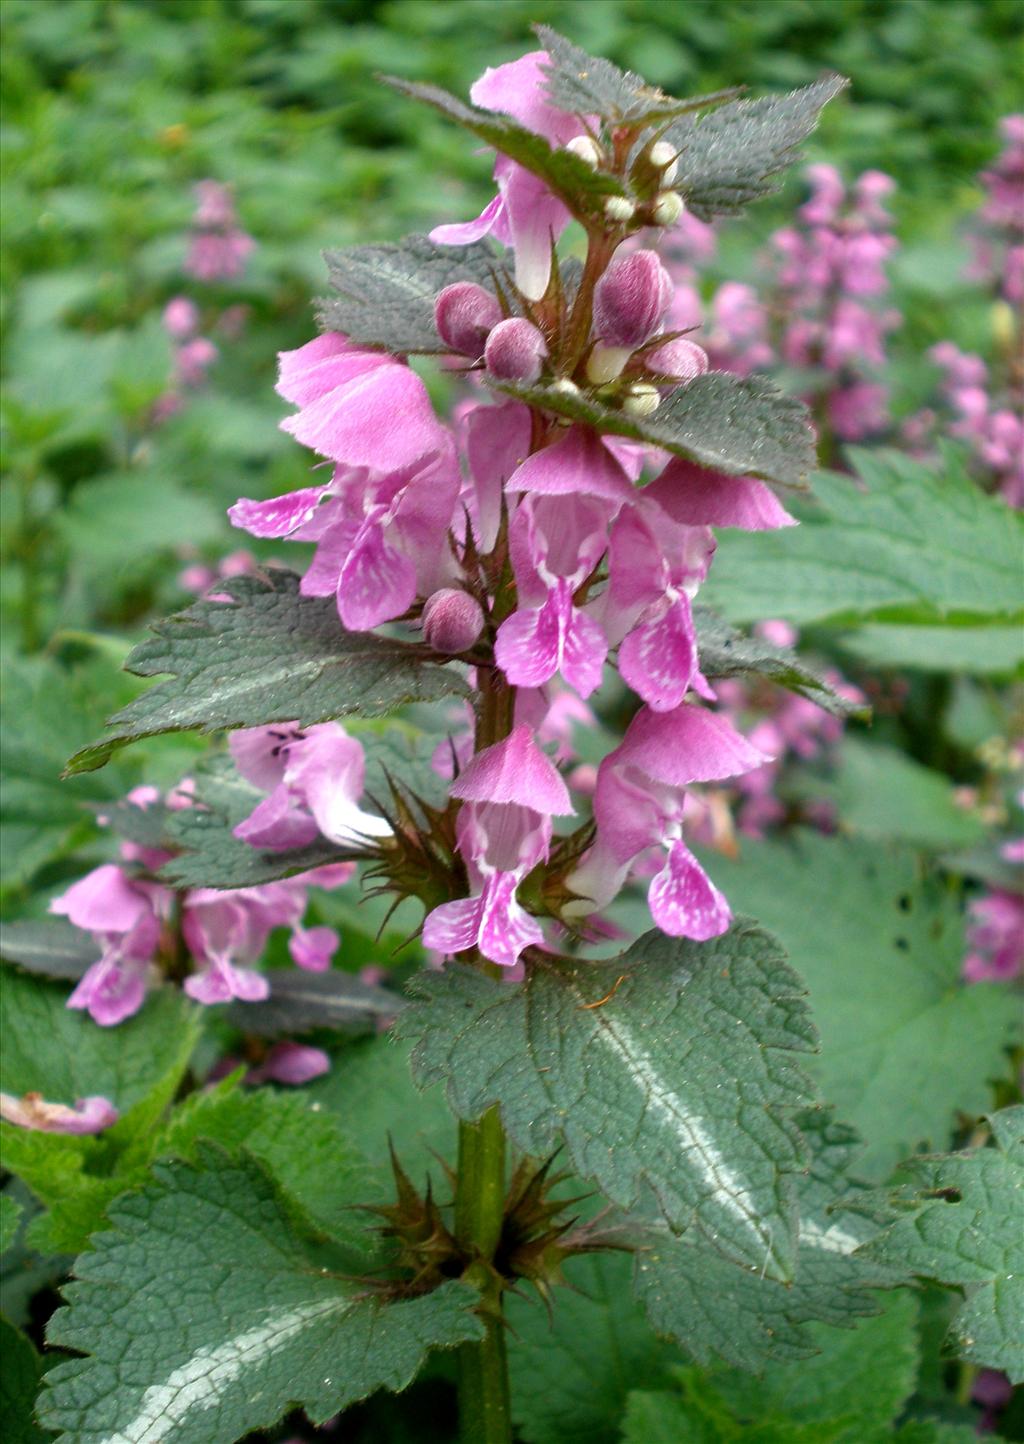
x: 642, y: 399
x: 587, y: 149
x: 680, y: 358
x: 452, y: 621
x: 464, y: 314
x: 630, y: 299
x: 515, y: 351
x: 668, y: 207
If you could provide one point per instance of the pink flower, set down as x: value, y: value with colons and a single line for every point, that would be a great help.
x: 510, y: 792
x: 290, y: 1063
x: 125, y: 917
x: 89, y: 1115
x: 639, y: 803
x: 524, y: 214
x: 995, y: 937
x: 181, y: 318
x: 314, y: 778
x: 631, y: 299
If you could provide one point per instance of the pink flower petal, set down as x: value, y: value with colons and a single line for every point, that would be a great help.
x: 684, y: 902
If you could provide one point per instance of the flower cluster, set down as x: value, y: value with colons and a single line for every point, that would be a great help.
x: 142, y: 925
x: 998, y: 241
x: 988, y: 419
x: 821, y: 305
x: 218, y: 250
x: 418, y: 520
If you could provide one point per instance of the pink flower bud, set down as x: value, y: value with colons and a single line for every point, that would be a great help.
x: 452, y: 621
x: 463, y: 314
x: 630, y: 299
x: 515, y: 351
x: 681, y: 358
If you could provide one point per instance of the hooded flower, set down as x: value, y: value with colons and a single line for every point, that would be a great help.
x: 510, y: 792
x: 314, y: 777
x: 557, y: 537
x: 524, y: 214
x: 639, y: 804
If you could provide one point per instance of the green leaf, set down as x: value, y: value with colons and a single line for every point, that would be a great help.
x: 582, y: 189
x: 10, y: 1216
x: 269, y: 655
x: 61, y: 1053
x: 64, y: 1055
x: 978, y: 651
x: 213, y: 856
x: 54, y: 948
x: 584, y: 84
x: 896, y: 543
x: 855, y: 1383
x: 670, y: 1065
x: 743, y: 425
x: 302, y: 1148
x: 717, y: 1311
x: 300, y: 1002
x: 376, y: 1072
x: 20, y: 1369
x: 728, y: 158
x: 384, y: 295
x: 572, y: 1369
x: 905, y: 1044
x: 963, y: 1226
x: 880, y: 792
x: 203, y: 1318
x: 724, y: 652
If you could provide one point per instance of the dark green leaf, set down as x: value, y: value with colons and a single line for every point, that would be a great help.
x: 203, y: 1318
x: 905, y: 1044
x: 300, y: 1002
x: 671, y: 1065
x: 20, y: 1370
x: 728, y: 158
x: 582, y: 189
x: 54, y: 947
x: 384, y: 295
x: 724, y: 652
x: 269, y: 655
x: 963, y: 1225
x: 585, y: 85
x: 743, y: 425
x: 718, y: 1311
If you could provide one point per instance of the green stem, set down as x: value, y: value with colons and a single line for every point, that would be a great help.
x: 484, y: 1404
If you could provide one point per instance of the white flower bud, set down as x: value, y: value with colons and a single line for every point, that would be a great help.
x: 642, y: 399
x: 662, y: 156
x: 565, y: 387
x: 606, y: 362
x: 587, y: 149
x: 619, y: 208
x: 667, y: 208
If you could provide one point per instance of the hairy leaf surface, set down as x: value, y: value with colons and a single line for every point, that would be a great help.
x: 671, y: 1065
x: 249, y: 1326
x: 743, y: 425
x: 964, y: 1224
x: 268, y: 655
